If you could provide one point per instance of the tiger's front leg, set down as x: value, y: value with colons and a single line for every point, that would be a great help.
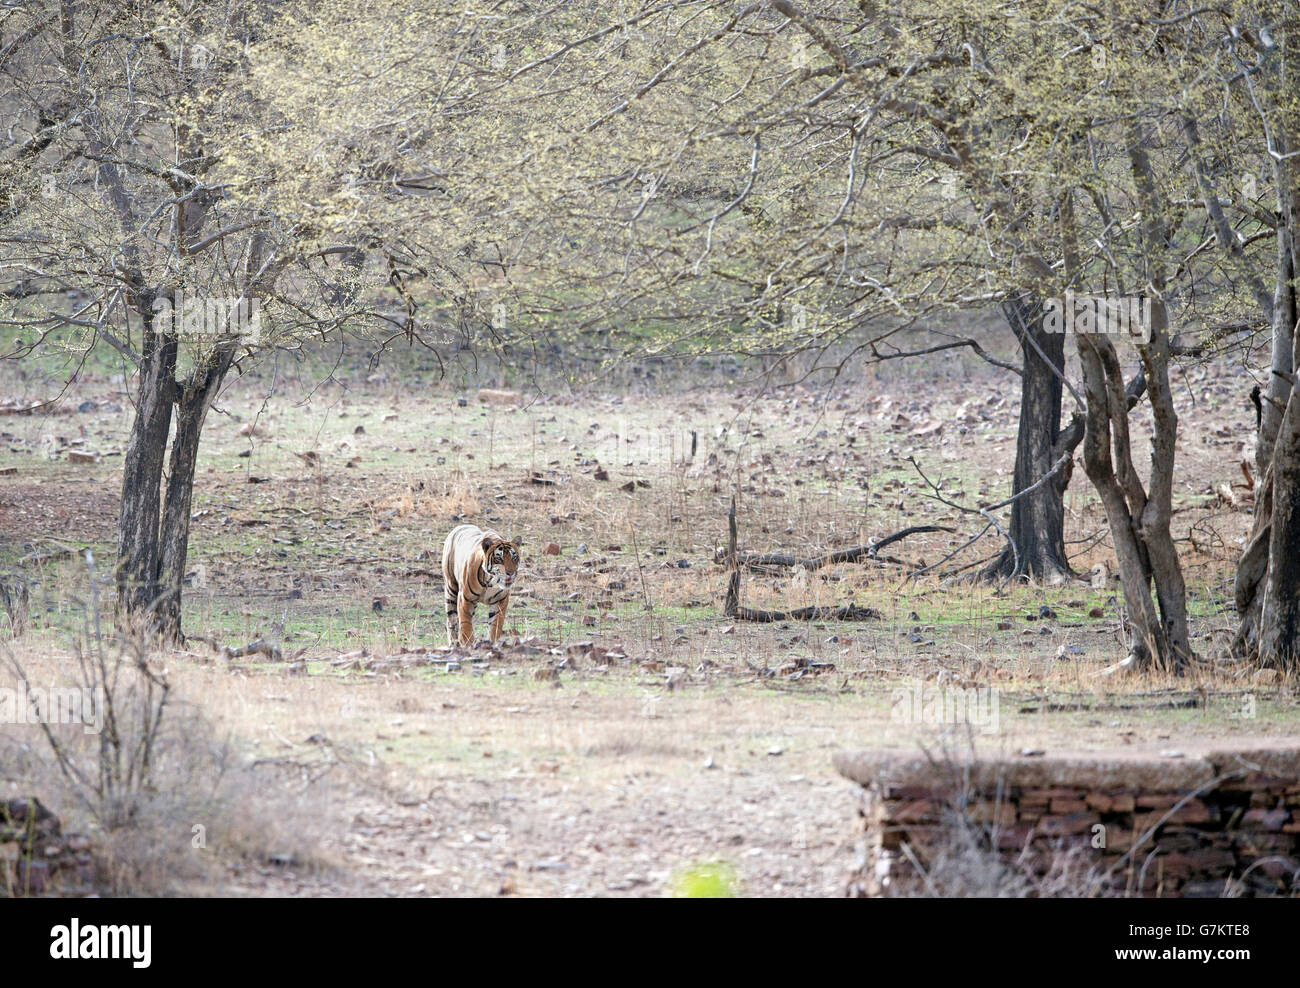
x: 497, y: 617
x: 453, y: 620
x: 465, y: 611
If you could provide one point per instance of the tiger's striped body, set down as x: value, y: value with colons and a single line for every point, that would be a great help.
x: 478, y: 567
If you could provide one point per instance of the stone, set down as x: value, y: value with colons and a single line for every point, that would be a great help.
x: 911, y: 812
x: 993, y: 814
x: 1198, y: 835
x: 1073, y: 823
x: 1267, y: 819
x: 1061, y: 804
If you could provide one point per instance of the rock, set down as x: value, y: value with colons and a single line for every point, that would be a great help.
x: 1125, y: 665
x: 1273, y: 820
x: 494, y: 396
x: 551, y: 549
x: 26, y: 815
x: 36, y: 858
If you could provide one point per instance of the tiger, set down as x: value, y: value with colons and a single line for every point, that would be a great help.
x: 478, y: 567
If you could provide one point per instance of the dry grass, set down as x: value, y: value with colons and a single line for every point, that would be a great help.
x: 200, y: 806
x: 316, y: 546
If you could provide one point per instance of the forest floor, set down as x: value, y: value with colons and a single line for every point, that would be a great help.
x: 631, y: 730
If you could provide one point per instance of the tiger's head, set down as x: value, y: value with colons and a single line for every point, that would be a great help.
x: 501, y: 561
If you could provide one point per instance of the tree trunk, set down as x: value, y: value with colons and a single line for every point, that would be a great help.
x: 1268, y: 573
x: 138, y: 550
x: 1154, y: 521
x: 1138, y: 521
x: 153, y: 533
x: 1279, y: 621
x: 192, y: 404
x: 1037, y: 528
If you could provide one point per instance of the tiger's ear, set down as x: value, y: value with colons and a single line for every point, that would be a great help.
x: 487, y: 543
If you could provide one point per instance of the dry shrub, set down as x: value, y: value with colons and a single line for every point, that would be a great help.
x: 962, y: 859
x: 168, y: 801
x: 963, y: 862
x: 428, y: 499
x: 205, y: 808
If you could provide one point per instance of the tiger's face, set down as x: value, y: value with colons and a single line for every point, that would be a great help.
x: 500, y: 561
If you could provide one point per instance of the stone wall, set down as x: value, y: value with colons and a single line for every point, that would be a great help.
x: 36, y: 857
x: 1222, y: 822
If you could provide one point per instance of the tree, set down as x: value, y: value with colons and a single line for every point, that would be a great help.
x: 146, y: 173
x: 1268, y: 575
x: 1068, y: 139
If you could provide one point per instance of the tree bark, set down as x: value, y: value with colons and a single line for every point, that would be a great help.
x: 1279, y: 621
x: 1268, y: 573
x: 153, y: 530
x: 1037, y: 529
x: 1138, y: 520
x: 138, y: 550
x: 192, y: 404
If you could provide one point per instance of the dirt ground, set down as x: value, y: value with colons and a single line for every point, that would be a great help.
x: 679, y: 736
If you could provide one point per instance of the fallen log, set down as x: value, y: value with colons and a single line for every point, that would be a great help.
x: 259, y: 647
x: 41, y: 558
x: 756, y: 560
x: 849, y: 613
x: 732, y: 608
x: 1189, y: 703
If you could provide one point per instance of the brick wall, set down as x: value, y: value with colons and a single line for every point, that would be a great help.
x: 1224, y: 822
x: 36, y: 857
